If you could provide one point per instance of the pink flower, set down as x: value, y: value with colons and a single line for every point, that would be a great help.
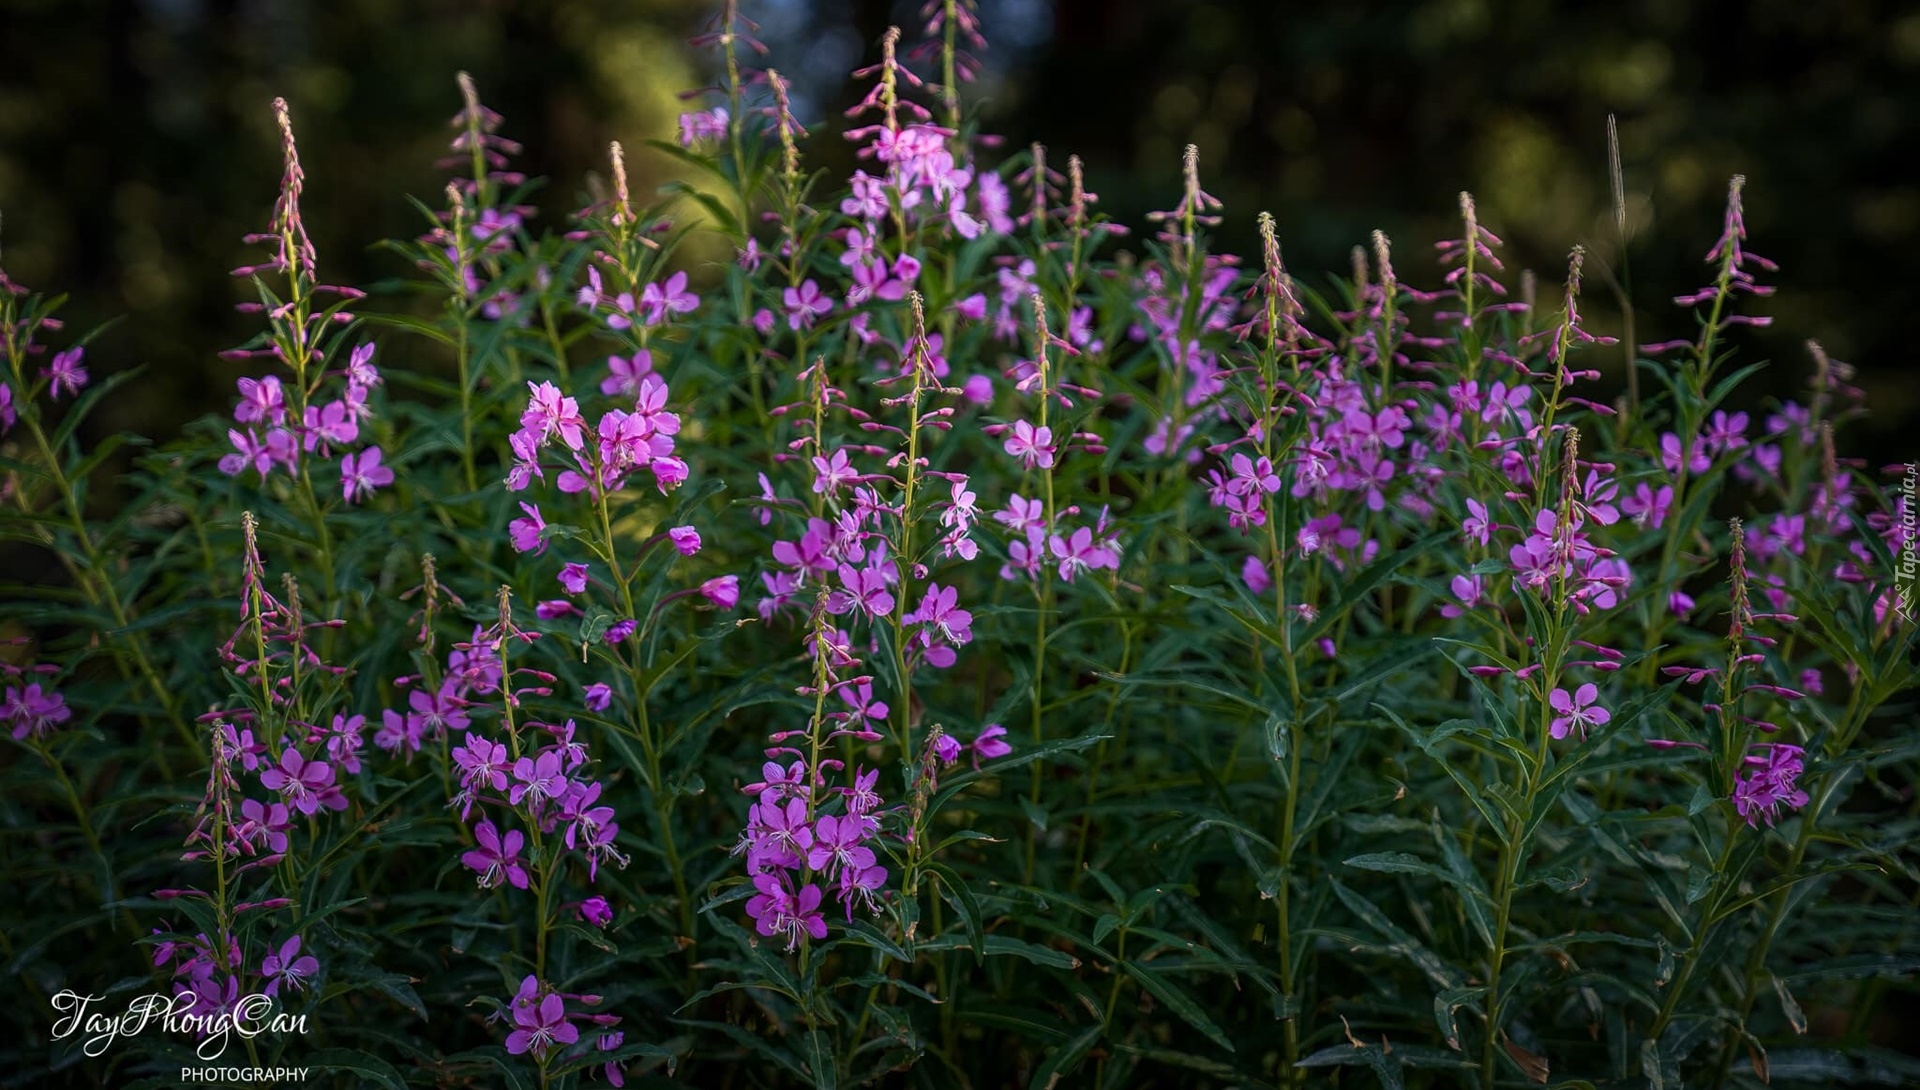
x: 33, y: 712
x: 597, y: 696
x: 804, y: 304
x: 1478, y: 526
x: 596, y: 911
x: 539, y: 1025
x: 288, y: 967
x: 1769, y: 783
x: 549, y: 415
x: 831, y: 474
x: 497, y: 857
x: 658, y: 301
x: 723, y: 591
x: 1579, y: 709
x: 525, y: 532
x: 1032, y: 446
x: 623, y: 379
x: 67, y: 374
x: 573, y: 578
x: 307, y: 785
x: 1647, y: 507
x: 988, y: 744
x: 1254, y: 573
x: 361, y: 474
x: 686, y: 539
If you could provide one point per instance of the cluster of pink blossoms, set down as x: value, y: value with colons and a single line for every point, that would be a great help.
x: 621, y: 443
x: 543, y: 784
x: 542, y: 1024
x: 281, y: 423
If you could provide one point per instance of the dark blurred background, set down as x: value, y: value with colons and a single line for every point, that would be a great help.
x: 136, y: 145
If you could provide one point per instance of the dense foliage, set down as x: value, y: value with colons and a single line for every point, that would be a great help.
x: 945, y: 641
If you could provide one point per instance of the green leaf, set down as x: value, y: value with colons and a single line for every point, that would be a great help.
x: 957, y: 893
x: 1444, y: 1006
x: 1175, y: 999
x: 816, y: 1052
x: 1386, y: 1068
x: 1036, y: 814
x: 1005, y: 946
x: 370, y: 1068
x: 1401, y: 942
x: 1394, y: 863
x: 1063, y: 1060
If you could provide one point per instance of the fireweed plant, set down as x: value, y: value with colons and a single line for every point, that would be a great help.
x: 951, y: 642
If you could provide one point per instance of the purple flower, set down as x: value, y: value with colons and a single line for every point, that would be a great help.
x: 861, y: 797
x: 946, y: 748
x: 1726, y: 433
x: 703, y: 125
x: 328, y: 424
x: 261, y: 401
x: 1676, y: 453
x: 1030, y: 445
x: 242, y: 746
x: 526, y: 531
x: 988, y: 744
x: 686, y: 539
x: 1647, y: 507
x: 307, y: 785
x: 831, y: 474
x: 1021, y: 514
x: 538, y: 1026
x: 288, y: 967
x: 596, y: 911
x: 863, y: 589
x: 1469, y: 589
x: 33, y: 711
x: 660, y: 300
x: 497, y: 857
x: 804, y: 304
x: 776, y: 911
x: 67, y: 374
x: 548, y: 415
x: 265, y: 822
x: 722, y: 591
x: 438, y: 711
x: 540, y: 778
x: 362, y: 474
x: 1079, y: 552
x: 483, y: 763
x: 597, y: 696
x: 619, y: 631
x: 859, y: 885
x: 344, y: 743
x: 360, y: 368
x: 573, y: 578
x: 1579, y: 709
x: 623, y: 379
x: 837, y: 843
x: 583, y: 817
x: 1478, y: 527
x: 1770, y: 783
x: 1253, y: 572
x: 944, y: 620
